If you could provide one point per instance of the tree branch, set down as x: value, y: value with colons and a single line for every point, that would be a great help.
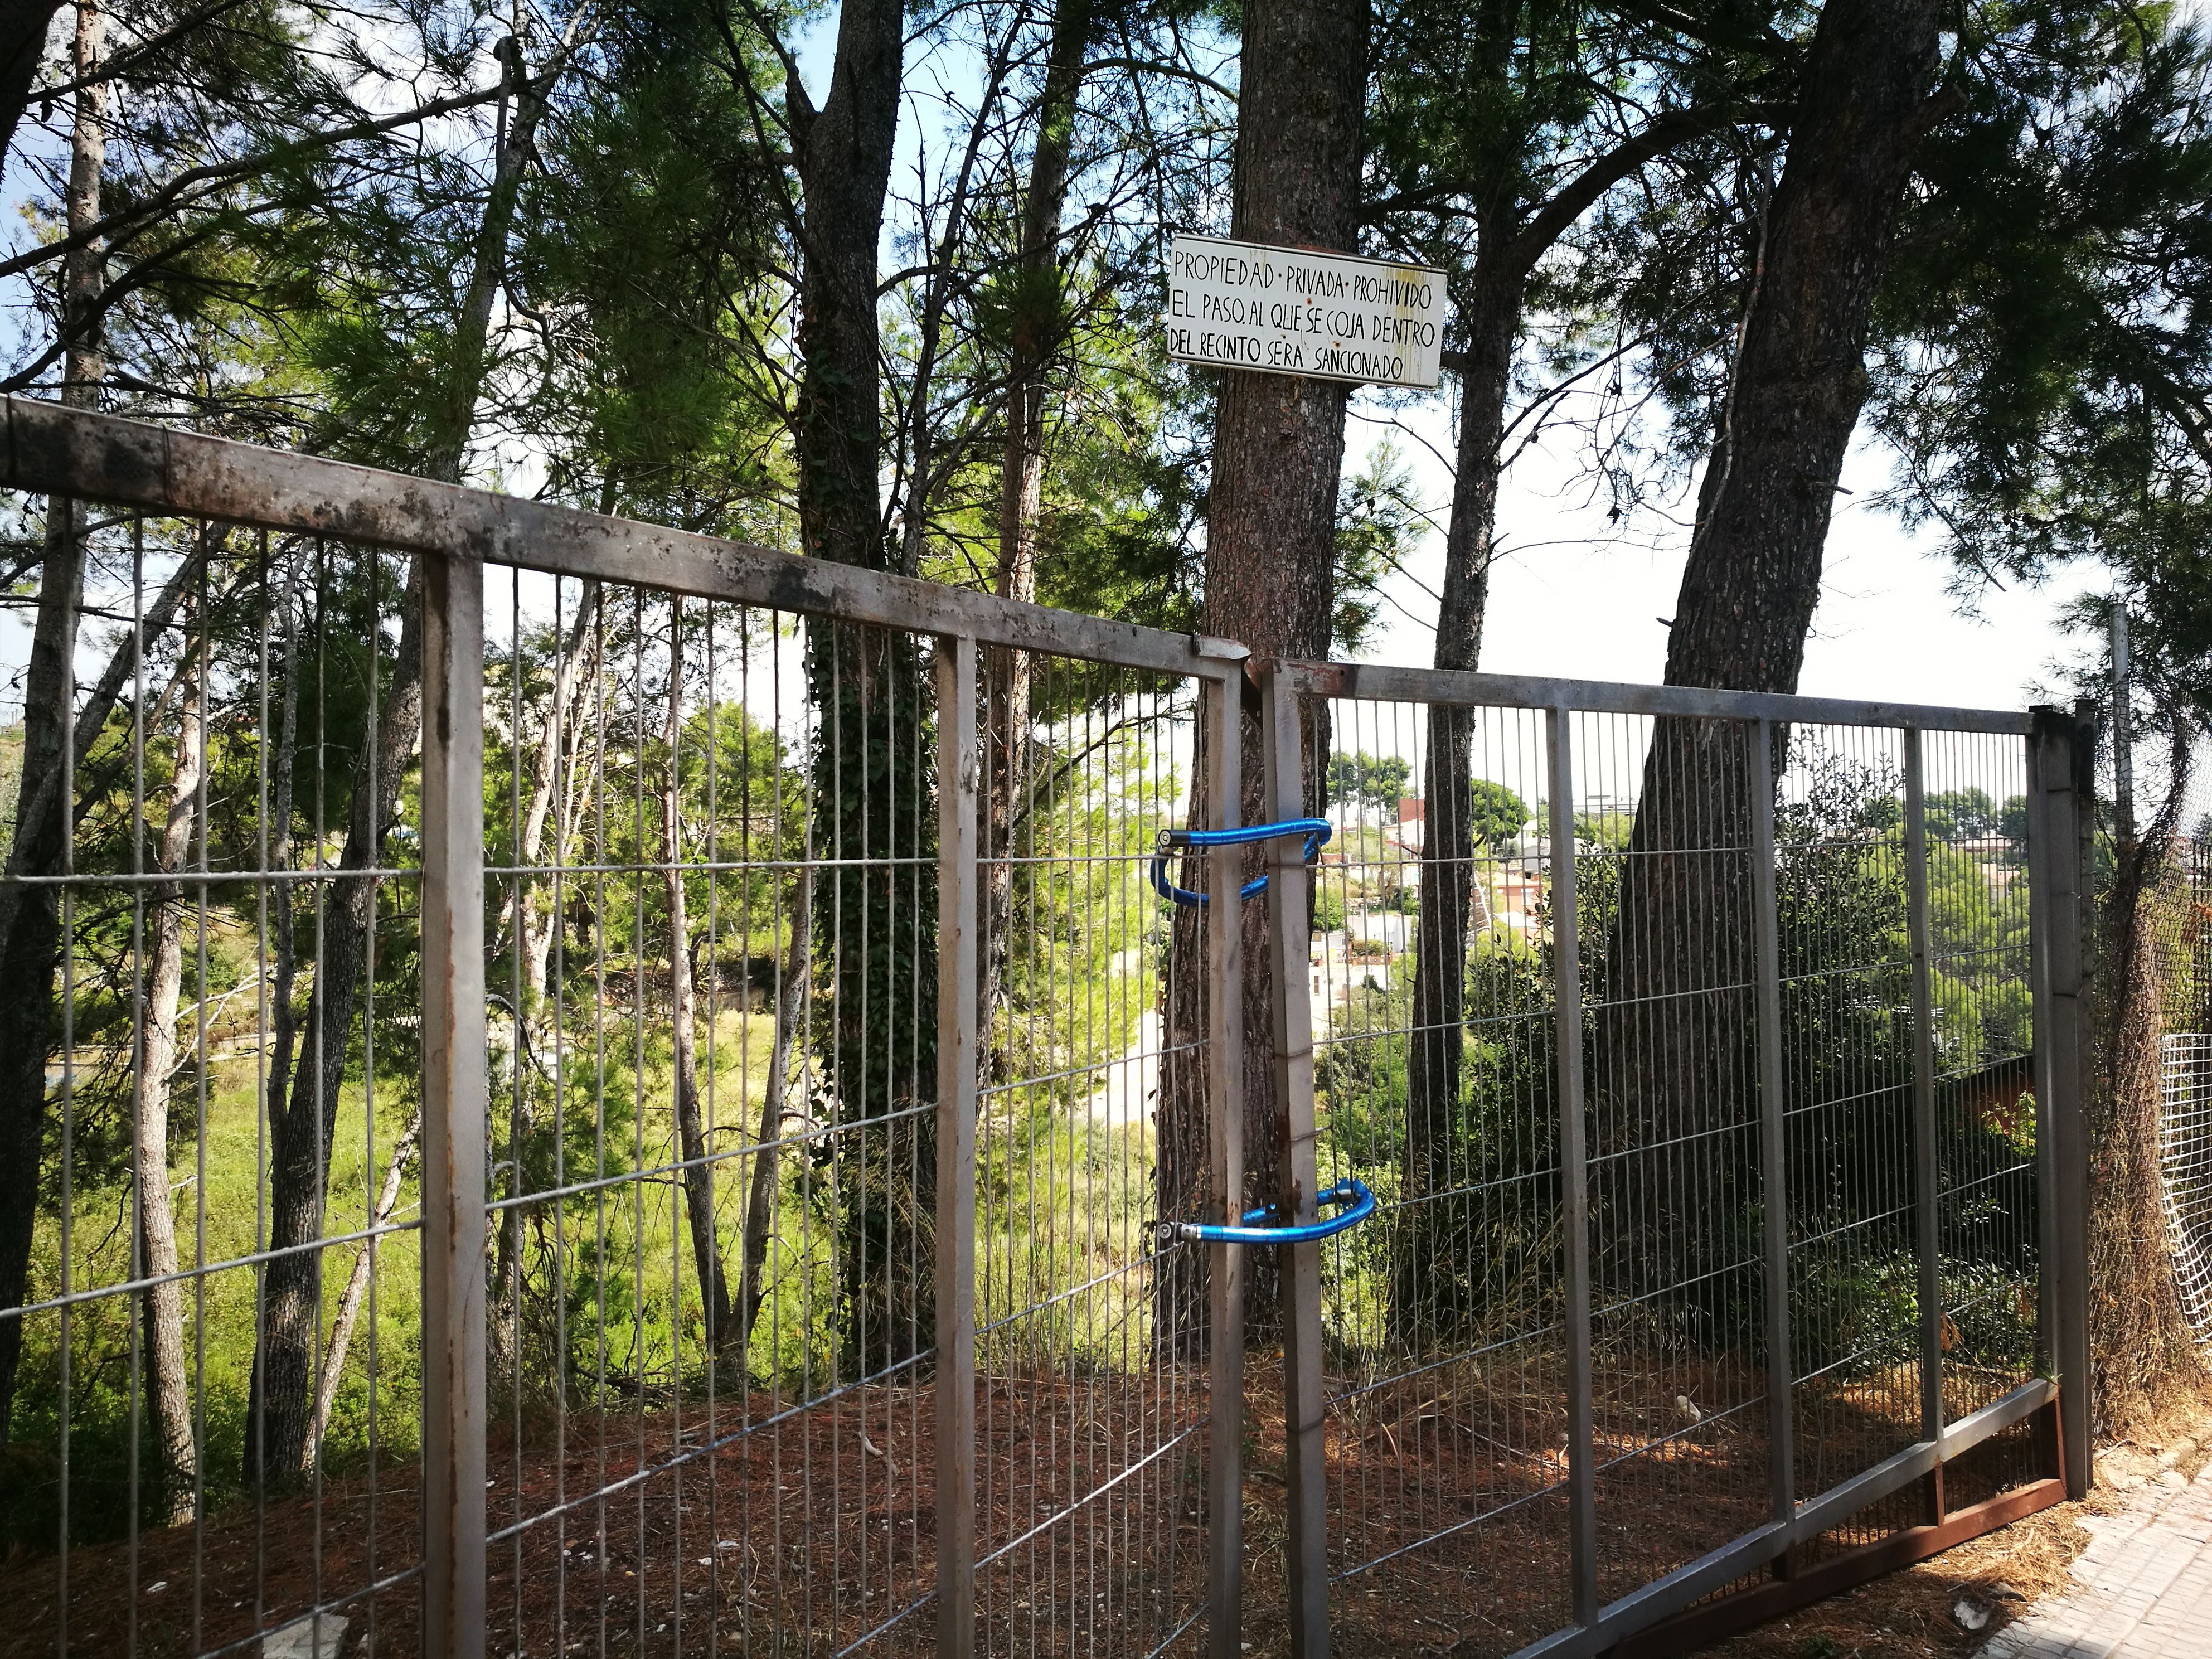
x: 128, y: 221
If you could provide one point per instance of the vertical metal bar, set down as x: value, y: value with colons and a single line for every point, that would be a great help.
x: 957, y: 1040
x: 1221, y: 717
x: 2123, y: 736
x: 1774, y: 1130
x: 2033, y: 859
x: 1927, y: 1180
x: 2060, y: 778
x: 1926, y: 1162
x: 1288, y: 920
x: 455, y: 1102
x: 1574, y: 1167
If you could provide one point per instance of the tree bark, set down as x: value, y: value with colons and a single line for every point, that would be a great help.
x: 844, y: 157
x: 357, y: 1290
x: 167, y: 1391
x: 23, y: 29
x: 760, y: 1200
x: 1037, y: 333
x: 301, y: 1119
x: 30, y: 929
x: 870, y: 765
x: 1491, y: 322
x: 722, y: 1330
x: 1676, y: 1059
x: 1799, y: 377
x: 1270, y: 536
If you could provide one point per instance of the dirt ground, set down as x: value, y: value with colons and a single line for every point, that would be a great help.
x: 684, y: 1556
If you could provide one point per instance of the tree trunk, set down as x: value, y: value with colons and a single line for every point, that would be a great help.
x: 760, y: 1200
x: 168, y: 1392
x: 1800, y: 376
x: 1037, y: 332
x: 1270, y: 536
x: 23, y: 31
x: 549, y: 787
x: 877, y: 916
x: 1434, y: 1106
x: 722, y: 1330
x: 357, y: 1290
x: 1678, y: 1076
x: 303, y: 1118
x: 871, y: 782
x: 844, y: 157
x: 30, y: 928
x: 301, y: 1121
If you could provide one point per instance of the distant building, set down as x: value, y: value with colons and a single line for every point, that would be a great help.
x: 1412, y: 815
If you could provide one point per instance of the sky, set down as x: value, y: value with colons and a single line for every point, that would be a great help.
x: 1568, y: 599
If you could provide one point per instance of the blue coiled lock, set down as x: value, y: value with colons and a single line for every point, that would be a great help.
x: 1316, y: 830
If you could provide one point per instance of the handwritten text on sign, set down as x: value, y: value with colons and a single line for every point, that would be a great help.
x: 1286, y: 311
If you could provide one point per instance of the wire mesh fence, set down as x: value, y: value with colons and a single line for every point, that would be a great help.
x: 214, y: 1389
x: 2185, y: 1165
x: 620, y: 1093
x: 2154, y: 835
x: 1795, y: 1049
x: 1092, y: 1385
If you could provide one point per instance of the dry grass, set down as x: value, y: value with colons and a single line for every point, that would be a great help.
x: 690, y: 1554
x: 1907, y: 1615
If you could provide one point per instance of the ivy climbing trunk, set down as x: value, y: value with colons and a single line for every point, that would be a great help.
x: 875, y: 913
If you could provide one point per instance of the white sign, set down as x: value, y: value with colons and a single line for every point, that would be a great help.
x: 1287, y: 310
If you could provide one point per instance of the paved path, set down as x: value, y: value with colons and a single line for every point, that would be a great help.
x: 2146, y: 1586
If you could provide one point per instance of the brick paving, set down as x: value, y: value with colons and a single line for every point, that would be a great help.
x: 2146, y: 1586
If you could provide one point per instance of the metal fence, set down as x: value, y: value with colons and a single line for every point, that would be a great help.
x: 1735, y: 1104
x: 610, y: 1091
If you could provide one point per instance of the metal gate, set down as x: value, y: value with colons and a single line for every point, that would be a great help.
x: 833, y: 1148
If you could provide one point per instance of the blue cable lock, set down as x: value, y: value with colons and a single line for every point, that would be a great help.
x: 1316, y: 830
x: 1353, y: 1192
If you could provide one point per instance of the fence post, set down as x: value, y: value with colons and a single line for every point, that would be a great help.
x: 2062, y: 795
x: 1222, y: 720
x: 1773, y: 1132
x: 455, y: 1103
x: 1926, y: 1169
x: 1288, y: 921
x: 1574, y: 1164
x: 956, y: 1045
